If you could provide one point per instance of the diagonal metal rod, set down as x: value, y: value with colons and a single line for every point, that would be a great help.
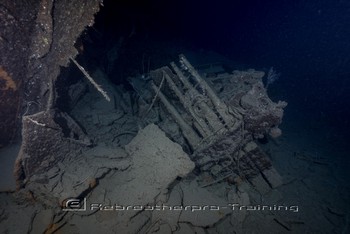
x: 188, y: 132
x: 214, y: 98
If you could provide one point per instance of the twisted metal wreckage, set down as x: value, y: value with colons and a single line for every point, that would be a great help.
x: 219, y: 124
x: 219, y: 115
x: 221, y: 136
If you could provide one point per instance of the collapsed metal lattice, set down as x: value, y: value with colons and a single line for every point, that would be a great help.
x: 213, y: 130
x: 205, y: 116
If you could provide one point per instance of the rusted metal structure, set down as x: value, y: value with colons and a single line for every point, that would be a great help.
x: 215, y: 131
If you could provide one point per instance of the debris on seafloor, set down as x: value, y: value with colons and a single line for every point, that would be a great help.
x: 213, y: 124
x: 221, y: 131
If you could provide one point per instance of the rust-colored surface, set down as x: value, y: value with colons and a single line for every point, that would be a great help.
x: 9, y: 105
x: 6, y: 82
x: 16, y: 21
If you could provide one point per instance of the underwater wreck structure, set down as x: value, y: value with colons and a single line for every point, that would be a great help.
x: 221, y: 130
x: 219, y: 118
x: 204, y: 126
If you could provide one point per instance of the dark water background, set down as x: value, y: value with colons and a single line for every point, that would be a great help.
x: 308, y: 42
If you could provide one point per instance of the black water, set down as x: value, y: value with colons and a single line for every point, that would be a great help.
x: 308, y: 42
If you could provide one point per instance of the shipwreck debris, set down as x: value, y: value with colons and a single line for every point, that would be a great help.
x: 221, y: 132
x: 211, y: 127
